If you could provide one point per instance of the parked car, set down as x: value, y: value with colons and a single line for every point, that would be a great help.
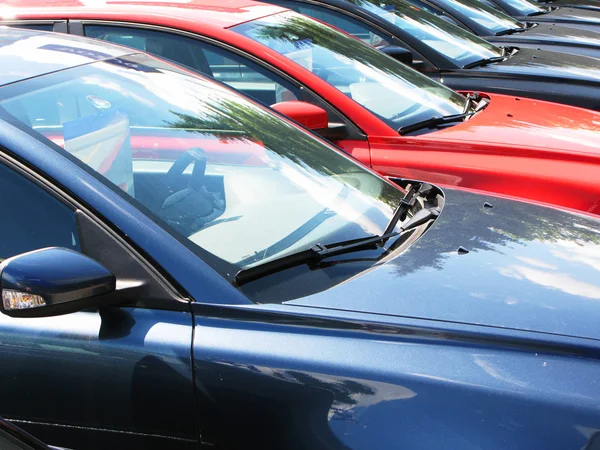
x: 457, y: 58
x: 538, y: 36
x: 383, y: 113
x: 499, y: 28
x: 525, y: 10
x: 277, y: 294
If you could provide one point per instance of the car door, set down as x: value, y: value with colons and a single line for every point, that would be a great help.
x: 238, y: 71
x: 116, y: 377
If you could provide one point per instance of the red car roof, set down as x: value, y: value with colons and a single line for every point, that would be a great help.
x: 220, y: 13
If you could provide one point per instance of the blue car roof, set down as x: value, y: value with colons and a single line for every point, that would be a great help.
x: 28, y: 53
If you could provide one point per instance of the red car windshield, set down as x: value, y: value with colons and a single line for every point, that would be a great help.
x: 394, y: 92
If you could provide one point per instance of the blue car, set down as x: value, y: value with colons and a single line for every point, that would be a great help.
x: 183, y: 269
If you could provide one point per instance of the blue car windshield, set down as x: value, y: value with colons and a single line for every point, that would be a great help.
x: 454, y: 43
x: 247, y: 187
x: 394, y: 92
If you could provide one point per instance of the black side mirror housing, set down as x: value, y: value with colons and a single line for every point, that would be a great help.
x: 399, y: 53
x: 52, y: 281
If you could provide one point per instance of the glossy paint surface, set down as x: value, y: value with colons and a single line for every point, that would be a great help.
x: 528, y: 267
x: 465, y: 155
x: 56, y: 274
x: 327, y: 384
x: 568, y: 15
x: 529, y: 63
x: 97, y: 380
x: 558, y: 37
x: 352, y: 372
x: 582, y: 4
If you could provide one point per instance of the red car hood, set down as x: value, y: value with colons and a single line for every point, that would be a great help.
x: 528, y: 124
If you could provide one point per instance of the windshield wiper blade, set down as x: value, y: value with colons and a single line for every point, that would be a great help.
x: 511, y: 31
x: 319, y: 252
x: 432, y: 122
x: 484, y: 62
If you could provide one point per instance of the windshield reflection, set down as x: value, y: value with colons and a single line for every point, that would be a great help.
x: 396, y: 93
x: 478, y: 13
x: 449, y: 40
x: 238, y: 183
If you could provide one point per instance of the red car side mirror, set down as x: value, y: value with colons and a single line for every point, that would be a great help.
x: 304, y: 113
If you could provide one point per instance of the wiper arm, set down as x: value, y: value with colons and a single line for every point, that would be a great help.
x: 511, y: 31
x: 485, y: 62
x: 433, y: 121
x: 319, y: 252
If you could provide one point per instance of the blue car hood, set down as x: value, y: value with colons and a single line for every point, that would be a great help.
x: 529, y: 267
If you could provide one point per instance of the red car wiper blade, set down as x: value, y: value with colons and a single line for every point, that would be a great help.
x: 433, y: 122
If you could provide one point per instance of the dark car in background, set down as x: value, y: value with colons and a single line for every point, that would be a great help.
x: 526, y: 10
x: 458, y: 58
x: 500, y: 28
x: 582, y: 4
x: 183, y: 269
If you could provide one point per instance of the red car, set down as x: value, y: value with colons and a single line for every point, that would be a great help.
x: 387, y: 115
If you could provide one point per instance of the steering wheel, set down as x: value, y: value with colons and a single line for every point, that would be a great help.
x: 168, y: 184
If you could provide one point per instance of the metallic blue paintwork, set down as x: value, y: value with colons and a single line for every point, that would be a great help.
x: 57, y: 274
x: 529, y: 268
x: 296, y: 376
x: 100, y: 371
x: 322, y: 385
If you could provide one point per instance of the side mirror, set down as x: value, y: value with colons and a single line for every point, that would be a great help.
x: 52, y: 281
x: 307, y: 114
x: 399, y: 53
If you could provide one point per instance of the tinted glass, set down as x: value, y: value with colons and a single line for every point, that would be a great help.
x: 32, y: 218
x: 396, y: 93
x: 34, y: 26
x: 458, y: 45
x: 522, y: 7
x: 223, y: 65
x: 351, y: 26
x: 235, y: 182
x: 494, y: 21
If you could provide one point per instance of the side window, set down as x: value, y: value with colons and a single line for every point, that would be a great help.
x: 239, y: 73
x: 351, y: 26
x: 32, y: 218
x: 33, y: 26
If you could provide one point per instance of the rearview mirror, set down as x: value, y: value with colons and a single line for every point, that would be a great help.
x: 52, y: 281
x: 398, y: 53
x: 307, y: 114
